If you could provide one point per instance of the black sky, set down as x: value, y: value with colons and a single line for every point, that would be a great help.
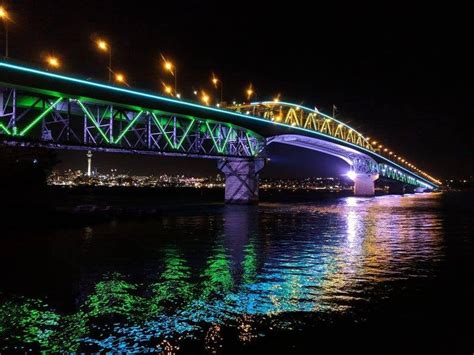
x: 400, y: 74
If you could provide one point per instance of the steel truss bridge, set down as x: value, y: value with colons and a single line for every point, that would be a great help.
x: 46, y: 109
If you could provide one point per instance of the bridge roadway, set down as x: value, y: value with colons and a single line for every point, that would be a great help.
x: 104, y: 117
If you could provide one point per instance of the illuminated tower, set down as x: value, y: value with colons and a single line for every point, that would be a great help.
x: 89, y: 162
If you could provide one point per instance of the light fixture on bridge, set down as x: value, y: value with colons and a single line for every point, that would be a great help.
x: 171, y: 68
x: 53, y: 61
x: 217, y: 82
x: 5, y: 17
x: 351, y: 174
x: 205, y: 98
x: 103, y: 46
x: 120, y: 78
x: 168, y: 89
x: 249, y: 92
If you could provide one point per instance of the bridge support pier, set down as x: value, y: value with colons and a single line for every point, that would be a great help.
x: 420, y: 189
x: 364, y: 184
x: 241, y: 179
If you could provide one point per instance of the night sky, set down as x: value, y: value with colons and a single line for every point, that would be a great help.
x: 399, y: 74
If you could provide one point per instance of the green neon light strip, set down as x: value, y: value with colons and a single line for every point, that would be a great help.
x: 212, y: 137
x: 157, y: 122
x: 89, y: 115
x: 185, y: 134
x: 37, y: 119
x: 252, y: 151
x: 5, y: 129
x: 190, y: 104
x: 132, y: 122
x: 226, y: 139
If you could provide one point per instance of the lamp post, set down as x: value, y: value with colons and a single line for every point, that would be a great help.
x: 170, y: 67
x: 4, y: 17
x: 216, y: 82
x: 105, y: 47
x: 249, y: 92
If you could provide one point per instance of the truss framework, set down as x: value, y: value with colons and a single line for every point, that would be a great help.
x: 298, y: 116
x: 76, y: 122
x: 362, y: 165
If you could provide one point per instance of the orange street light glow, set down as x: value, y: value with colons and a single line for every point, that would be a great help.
x: 53, y: 62
x: 102, y: 45
x: 119, y: 77
x: 3, y: 13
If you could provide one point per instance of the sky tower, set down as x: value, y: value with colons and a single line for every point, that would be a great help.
x: 89, y: 162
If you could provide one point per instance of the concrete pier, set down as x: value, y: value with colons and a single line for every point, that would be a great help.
x: 364, y: 184
x: 241, y: 179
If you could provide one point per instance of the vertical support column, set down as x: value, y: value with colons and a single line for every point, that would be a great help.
x: 364, y: 184
x: 241, y: 179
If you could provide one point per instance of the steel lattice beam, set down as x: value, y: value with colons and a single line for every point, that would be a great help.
x: 65, y: 122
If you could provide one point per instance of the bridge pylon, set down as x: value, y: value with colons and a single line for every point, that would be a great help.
x: 241, y: 179
x: 364, y: 184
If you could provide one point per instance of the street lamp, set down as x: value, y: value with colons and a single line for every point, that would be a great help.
x: 53, y: 61
x: 249, y: 92
x: 170, y: 67
x: 120, y: 78
x: 5, y: 18
x: 205, y: 98
x: 215, y: 81
x: 105, y: 47
x: 167, y: 89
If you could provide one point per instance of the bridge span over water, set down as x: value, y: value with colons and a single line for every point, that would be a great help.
x: 46, y: 109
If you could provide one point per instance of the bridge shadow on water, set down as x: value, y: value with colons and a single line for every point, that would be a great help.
x: 188, y: 274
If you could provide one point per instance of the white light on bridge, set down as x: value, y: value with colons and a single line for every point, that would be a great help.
x: 351, y: 175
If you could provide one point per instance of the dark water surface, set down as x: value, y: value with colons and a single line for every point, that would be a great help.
x: 390, y: 274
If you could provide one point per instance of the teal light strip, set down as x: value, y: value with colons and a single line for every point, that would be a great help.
x: 132, y: 122
x: 89, y: 115
x: 204, y: 108
x: 185, y: 134
x: 37, y: 119
x: 157, y: 122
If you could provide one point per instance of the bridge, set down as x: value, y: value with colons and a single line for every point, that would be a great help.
x: 46, y: 109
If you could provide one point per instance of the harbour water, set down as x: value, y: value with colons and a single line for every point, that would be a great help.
x: 390, y: 274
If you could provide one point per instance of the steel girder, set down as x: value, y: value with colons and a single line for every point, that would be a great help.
x: 65, y: 122
x: 362, y: 165
x: 298, y: 116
